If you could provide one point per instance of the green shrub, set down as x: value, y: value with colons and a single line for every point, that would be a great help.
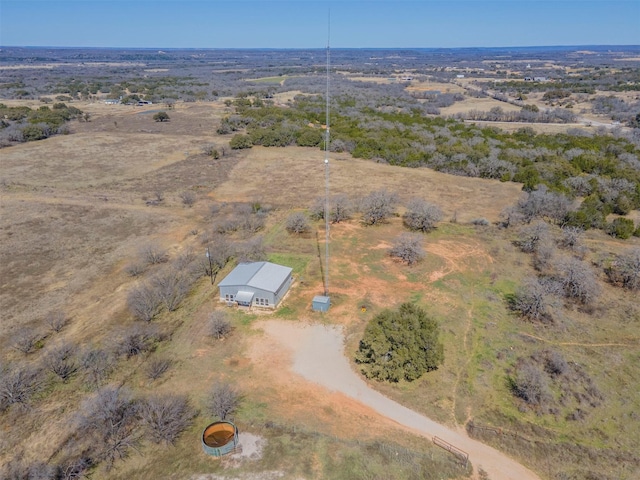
x: 32, y: 133
x: 240, y: 141
x: 309, y: 137
x: 401, y: 344
x: 621, y: 228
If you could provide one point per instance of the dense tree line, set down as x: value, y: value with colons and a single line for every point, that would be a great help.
x: 603, y: 170
x: 24, y: 124
x: 531, y: 114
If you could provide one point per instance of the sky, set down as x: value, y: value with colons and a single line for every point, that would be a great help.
x: 304, y: 23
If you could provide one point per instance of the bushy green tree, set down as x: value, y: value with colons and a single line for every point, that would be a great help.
x: 161, y: 117
x: 240, y: 141
x: 309, y: 137
x: 621, y: 228
x: 32, y: 133
x: 401, y: 344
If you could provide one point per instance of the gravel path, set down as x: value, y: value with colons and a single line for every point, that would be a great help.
x: 318, y: 356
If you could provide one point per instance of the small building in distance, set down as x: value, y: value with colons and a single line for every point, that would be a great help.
x: 260, y: 284
x: 320, y: 303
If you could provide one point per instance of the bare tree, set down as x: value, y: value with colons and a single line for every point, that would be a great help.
x: 97, y: 364
x: 170, y: 285
x: 111, y: 418
x: 223, y: 400
x: 625, y: 270
x: 340, y: 208
x: 542, y: 203
x: 572, y: 237
x: 530, y: 384
x: 511, y: 216
x: 26, y: 339
x: 56, y: 320
x: 252, y: 250
x: 378, y: 206
x: 532, y: 235
x: 17, y: 385
x: 317, y: 209
x: 421, y: 215
x: 218, y: 253
x: 136, y: 340
x: 408, y: 248
x: 62, y: 361
x: 74, y: 468
x: 536, y: 300
x: 297, y: 223
x: 157, y: 367
x: 185, y: 260
x: 166, y: 417
x: 188, y: 198
x: 152, y: 253
x: 219, y: 324
x: 544, y: 256
x: 578, y: 281
x: 135, y: 269
x: 555, y: 364
x: 144, y: 302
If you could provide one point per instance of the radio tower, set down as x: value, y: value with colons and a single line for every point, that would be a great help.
x: 326, y: 171
x: 321, y: 303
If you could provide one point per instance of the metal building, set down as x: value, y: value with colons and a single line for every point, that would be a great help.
x: 261, y: 284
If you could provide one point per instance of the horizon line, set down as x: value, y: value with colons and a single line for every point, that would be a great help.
x: 320, y: 48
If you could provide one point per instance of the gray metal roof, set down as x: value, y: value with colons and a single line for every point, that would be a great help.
x: 321, y: 299
x: 263, y: 275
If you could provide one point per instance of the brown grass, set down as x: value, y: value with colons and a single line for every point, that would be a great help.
x: 294, y: 177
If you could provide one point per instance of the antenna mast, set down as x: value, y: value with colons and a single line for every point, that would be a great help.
x: 326, y: 170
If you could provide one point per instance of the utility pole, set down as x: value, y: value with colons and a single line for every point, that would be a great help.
x: 210, y: 265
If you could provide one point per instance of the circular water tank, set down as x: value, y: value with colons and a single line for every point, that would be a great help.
x: 220, y: 438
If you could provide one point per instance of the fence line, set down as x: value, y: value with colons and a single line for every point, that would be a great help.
x: 452, y: 449
x: 471, y: 426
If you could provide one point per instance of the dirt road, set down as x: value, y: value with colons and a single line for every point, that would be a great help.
x: 318, y: 356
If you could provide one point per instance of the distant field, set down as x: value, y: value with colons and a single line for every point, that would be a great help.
x: 434, y: 86
x: 270, y: 80
x: 482, y: 104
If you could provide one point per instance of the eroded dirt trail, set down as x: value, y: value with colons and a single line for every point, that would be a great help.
x: 318, y: 356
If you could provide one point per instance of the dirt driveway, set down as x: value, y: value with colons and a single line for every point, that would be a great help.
x: 317, y: 354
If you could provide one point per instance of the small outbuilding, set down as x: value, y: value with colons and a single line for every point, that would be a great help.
x: 320, y: 303
x: 261, y: 284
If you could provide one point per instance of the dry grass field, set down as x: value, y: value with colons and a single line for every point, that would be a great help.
x: 74, y: 213
x: 262, y: 173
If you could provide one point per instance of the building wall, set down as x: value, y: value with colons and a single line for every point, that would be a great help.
x: 282, y: 291
x: 268, y: 298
